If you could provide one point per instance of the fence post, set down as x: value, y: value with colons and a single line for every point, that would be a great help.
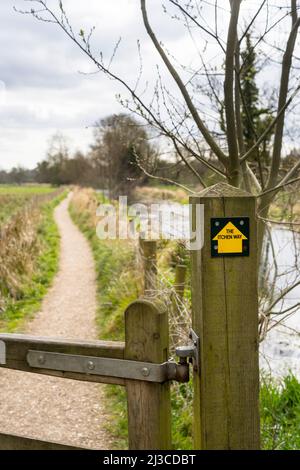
x: 148, y: 403
x: 225, y: 317
x: 179, y: 282
x: 148, y: 250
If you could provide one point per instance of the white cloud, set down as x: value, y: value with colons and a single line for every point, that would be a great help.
x: 41, y: 89
x: 26, y: 147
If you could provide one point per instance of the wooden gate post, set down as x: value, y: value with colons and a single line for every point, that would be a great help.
x: 225, y: 317
x: 148, y: 403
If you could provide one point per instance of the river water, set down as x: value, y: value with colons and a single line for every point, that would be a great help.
x: 280, y: 351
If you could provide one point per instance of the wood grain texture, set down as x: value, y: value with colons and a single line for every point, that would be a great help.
x: 149, y: 408
x: 17, y: 347
x: 225, y: 316
x: 14, y: 442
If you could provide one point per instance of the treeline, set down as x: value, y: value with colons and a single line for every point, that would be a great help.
x: 123, y: 155
x: 120, y: 157
x: 118, y: 160
x: 17, y: 175
x: 120, y: 150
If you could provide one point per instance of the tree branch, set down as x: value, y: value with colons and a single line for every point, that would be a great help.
x: 238, y: 116
x: 143, y: 110
x: 160, y: 178
x: 284, y: 84
x: 194, y: 20
x: 200, y: 124
x: 187, y: 163
x: 279, y: 186
x: 271, y: 126
x: 229, y: 96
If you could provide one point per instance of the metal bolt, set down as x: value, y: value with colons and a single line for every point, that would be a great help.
x: 217, y: 224
x: 90, y: 365
x: 145, y: 371
x: 241, y: 222
x: 41, y: 359
x: 215, y: 247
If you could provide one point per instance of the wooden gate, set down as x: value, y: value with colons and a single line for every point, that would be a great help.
x: 223, y: 349
x: 140, y: 364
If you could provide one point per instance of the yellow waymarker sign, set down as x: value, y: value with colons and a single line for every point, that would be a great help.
x: 230, y: 239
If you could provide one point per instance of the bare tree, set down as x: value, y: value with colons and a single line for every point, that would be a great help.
x: 187, y: 119
x: 181, y: 120
x: 118, y: 139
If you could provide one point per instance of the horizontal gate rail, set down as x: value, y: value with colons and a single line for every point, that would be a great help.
x: 145, y: 355
x: 16, y: 348
x: 98, y: 361
x: 14, y: 442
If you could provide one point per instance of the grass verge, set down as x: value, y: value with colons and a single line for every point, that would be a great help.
x: 119, y: 282
x: 280, y: 413
x: 32, y: 286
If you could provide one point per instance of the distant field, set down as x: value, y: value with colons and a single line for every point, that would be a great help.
x: 25, y: 190
x: 13, y: 198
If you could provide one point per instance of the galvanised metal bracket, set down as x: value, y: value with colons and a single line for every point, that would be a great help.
x: 107, y: 367
x: 190, y: 352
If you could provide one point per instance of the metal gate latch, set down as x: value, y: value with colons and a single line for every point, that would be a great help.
x: 190, y: 353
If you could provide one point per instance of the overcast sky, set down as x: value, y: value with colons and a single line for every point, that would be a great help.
x: 48, y: 85
x: 44, y: 86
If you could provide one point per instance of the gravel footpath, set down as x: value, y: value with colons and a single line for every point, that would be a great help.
x: 50, y: 408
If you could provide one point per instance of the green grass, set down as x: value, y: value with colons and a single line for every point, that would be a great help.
x: 119, y: 283
x: 13, y: 198
x: 8, y: 189
x: 280, y: 414
x: 117, y: 286
x: 46, y: 265
x: 182, y: 416
x: 279, y: 410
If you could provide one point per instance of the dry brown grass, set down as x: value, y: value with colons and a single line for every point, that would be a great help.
x: 86, y: 202
x: 162, y: 288
x: 20, y: 247
x: 129, y: 284
x: 149, y: 194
